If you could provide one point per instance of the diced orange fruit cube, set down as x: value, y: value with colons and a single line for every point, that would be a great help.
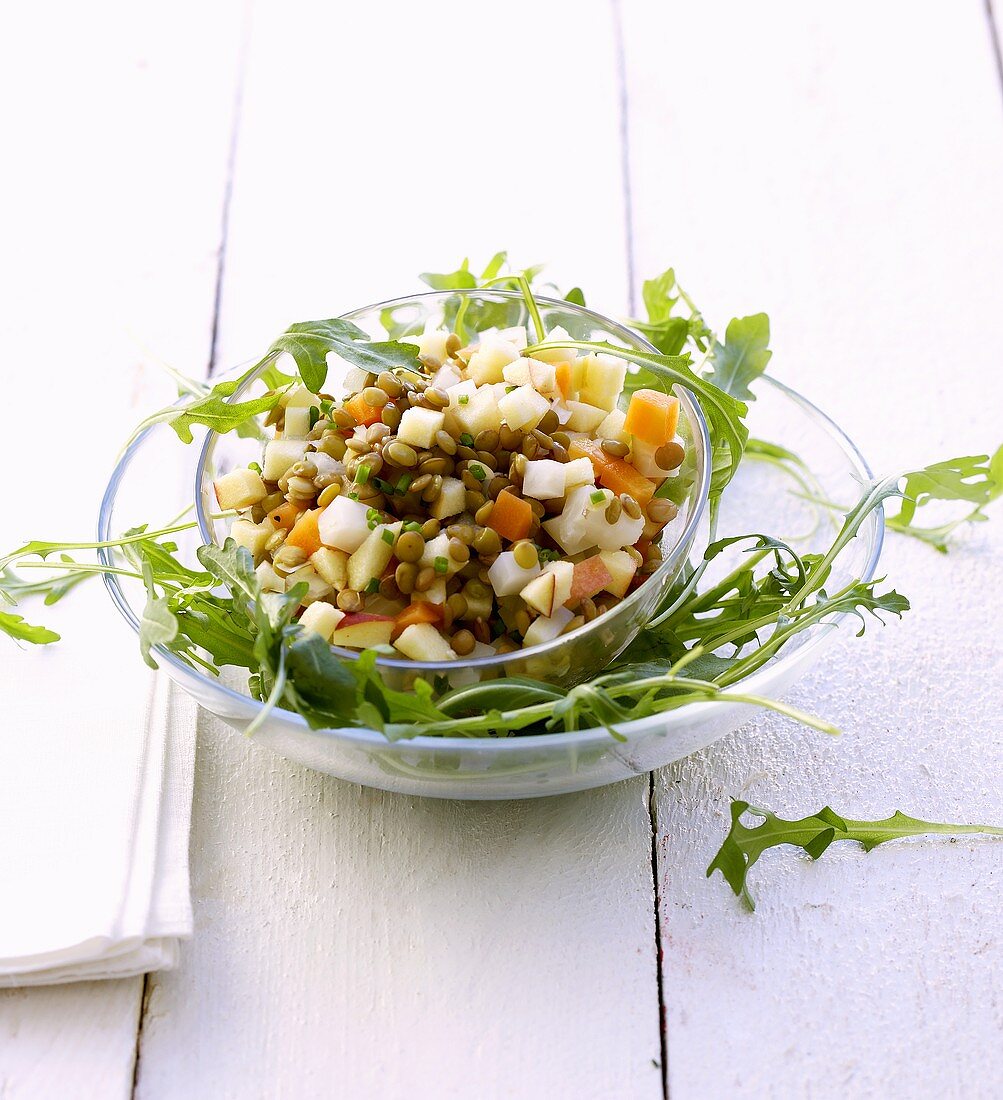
x: 305, y: 533
x: 363, y: 412
x: 425, y: 612
x: 652, y: 416
x: 613, y: 473
x: 285, y: 515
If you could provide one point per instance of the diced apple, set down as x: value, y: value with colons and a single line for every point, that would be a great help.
x: 539, y: 593
x: 445, y: 378
x: 280, y: 454
x: 523, y: 408
x: 418, y: 426
x: 604, y: 376
x: 578, y: 472
x: 556, y: 355
x: 431, y: 343
x: 543, y: 378
x: 297, y: 423
x: 438, y: 548
x: 612, y: 427
x: 642, y: 458
x: 451, y: 501
x: 422, y: 642
x: 561, y: 411
x: 621, y: 567
x: 490, y: 358
x: 252, y: 536
x: 361, y: 630
x: 317, y: 587
x: 507, y: 577
x: 344, y: 524
x: 434, y: 594
x: 517, y: 372
x: 564, y: 573
x: 239, y: 489
x: 592, y: 576
x: 544, y: 479
x: 514, y: 335
x: 584, y: 417
x: 545, y: 629
x: 300, y: 397
x: 332, y: 565
x: 322, y: 619
x: 372, y: 557
x: 480, y: 412
x: 268, y: 579
x: 598, y: 531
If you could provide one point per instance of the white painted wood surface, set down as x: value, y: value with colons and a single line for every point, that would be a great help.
x: 841, y: 170
x: 857, y: 199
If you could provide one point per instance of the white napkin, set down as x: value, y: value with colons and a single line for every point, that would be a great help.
x: 96, y: 751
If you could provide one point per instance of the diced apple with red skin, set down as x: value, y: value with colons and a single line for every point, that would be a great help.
x: 360, y: 630
x: 423, y: 642
x: 591, y: 577
x: 552, y: 589
x: 622, y: 568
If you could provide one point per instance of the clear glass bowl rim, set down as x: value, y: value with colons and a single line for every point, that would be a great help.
x: 667, y: 568
x: 756, y: 684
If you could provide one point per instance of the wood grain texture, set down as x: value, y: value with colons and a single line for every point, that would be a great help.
x: 843, y: 171
x: 347, y: 940
x: 112, y: 195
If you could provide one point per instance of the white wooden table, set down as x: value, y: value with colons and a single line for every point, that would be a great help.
x: 202, y: 176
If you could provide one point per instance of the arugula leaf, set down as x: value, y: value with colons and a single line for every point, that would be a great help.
x: 575, y: 296
x: 460, y: 279
x: 15, y: 626
x: 744, y: 844
x: 743, y: 356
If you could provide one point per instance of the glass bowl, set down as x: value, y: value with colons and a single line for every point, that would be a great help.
x: 156, y: 473
x: 570, y: 658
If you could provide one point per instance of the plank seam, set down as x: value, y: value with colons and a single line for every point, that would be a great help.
x: 994, y: 41
x: 231, y: 160
x: 660, y: 977
x: 144, y: 1001
x: 623, y: 106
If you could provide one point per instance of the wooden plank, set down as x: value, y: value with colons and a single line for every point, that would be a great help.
x: 349, y: 939
x: 843, y: 171
x: 113, y: 191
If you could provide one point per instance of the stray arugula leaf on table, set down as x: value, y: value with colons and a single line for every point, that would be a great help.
x: 744, y: 844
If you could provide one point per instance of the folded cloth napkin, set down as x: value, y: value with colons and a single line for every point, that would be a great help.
x: 96, y: 770
x: 96, y: 761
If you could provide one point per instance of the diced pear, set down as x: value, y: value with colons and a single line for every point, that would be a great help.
x: 332, y: 565
x: 321, y: 618
x: 431, y: 343
x: 268, y: 579
x: 546, y: 628
x: 543, y: 378
x: 612, y: 427
x: 445, y: 378
x: 544, y: 479
x: 344, y: 524
x: 517, y: 372
x: 280, y: 454
x: 317, y: 587
x: 579, y: 471
x: 435, y: 594
x: 451, y: 500
x: 372, y: 557
x: 297, y: 423
x: 507, y: 577
x: 480, y: 413
x: 523, y: 408
x: 622, y: 568
x: 556, y: 355
x: 300, y: 397
x: 490, y: 358
x: 418, y: 426
x: 253, y: 536
x: 584, y: 417
x: 422, y: 642
x: 514, y: 335
x: 360, y: 630
x: 561, y: 411
x: 439, y: 548
x: 604, y: 376
x: 239, y: 489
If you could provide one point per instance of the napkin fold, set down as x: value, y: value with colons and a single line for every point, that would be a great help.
x: 96, y: 775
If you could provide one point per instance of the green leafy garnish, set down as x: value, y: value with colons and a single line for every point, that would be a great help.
x: 744, y: 844
x: 15, y: 626
x: 743, y: 357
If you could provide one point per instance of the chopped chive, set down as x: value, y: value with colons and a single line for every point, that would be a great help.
x: 314, y: 415
x: 254, y: 466
x: 372, y: 513
x: 362, y: 475
x: 372, y: 524
x: 477, y: 471
x: 353, y: 496
x: 412, y: 525
x: 467, y: 439
x: 373, y: 586
x: 509, y: 389
x: 441, y: 565
x: 403, y: 482
x: 598, y: 496
x: 388, y: 536
x: 463, y: 399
